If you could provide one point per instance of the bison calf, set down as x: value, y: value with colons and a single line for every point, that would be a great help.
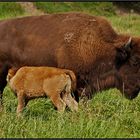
x: 33, y: 82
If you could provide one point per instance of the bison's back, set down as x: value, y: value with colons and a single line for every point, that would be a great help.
x: 67, y: 40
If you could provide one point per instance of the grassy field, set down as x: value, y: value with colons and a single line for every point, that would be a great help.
x: 10, y: 10
x: 107, y: 115
x: 96, y: 8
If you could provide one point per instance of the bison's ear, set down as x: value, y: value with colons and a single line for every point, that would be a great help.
x: 123, y: 52
x: 121, y: 57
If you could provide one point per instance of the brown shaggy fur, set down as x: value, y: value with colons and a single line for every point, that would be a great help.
x: 33, y: 82
x: 83, y: 43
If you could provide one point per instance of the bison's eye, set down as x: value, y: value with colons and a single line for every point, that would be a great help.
x: 134, y: 61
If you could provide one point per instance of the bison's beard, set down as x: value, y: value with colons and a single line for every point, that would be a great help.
x: 114, y: 80
x: 106, y: 81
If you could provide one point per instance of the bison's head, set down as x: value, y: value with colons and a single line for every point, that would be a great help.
x: 128, y: 65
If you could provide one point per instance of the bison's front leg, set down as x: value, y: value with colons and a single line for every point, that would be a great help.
x: 76, y: 95
x: 3, y: 82
x: 83, y: 89
x: 85, y: 92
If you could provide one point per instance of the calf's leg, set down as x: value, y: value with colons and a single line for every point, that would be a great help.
x: 21, y: 102
x: 68, y: 99
x: 71, y: 103
x: 53, y: 87
x: 58, y: 102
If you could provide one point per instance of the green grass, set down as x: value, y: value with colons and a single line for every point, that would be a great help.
x: 107, y: 115
x: 10, y: 9
x: 96, y: 8
x: 128, y: 24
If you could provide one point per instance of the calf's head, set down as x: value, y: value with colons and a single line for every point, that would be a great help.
x: 127, y: 63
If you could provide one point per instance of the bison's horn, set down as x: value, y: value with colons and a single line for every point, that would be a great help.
x: 128, y: 44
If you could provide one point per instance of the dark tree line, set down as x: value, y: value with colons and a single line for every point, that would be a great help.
x: 129, y: 6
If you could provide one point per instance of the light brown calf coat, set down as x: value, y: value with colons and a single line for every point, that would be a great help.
x: 34, y: 82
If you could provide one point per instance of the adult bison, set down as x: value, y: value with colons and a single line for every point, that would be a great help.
x: 86, y: 44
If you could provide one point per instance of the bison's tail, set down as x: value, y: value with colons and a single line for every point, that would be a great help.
x: 73, y: 78
x: 11, y: 73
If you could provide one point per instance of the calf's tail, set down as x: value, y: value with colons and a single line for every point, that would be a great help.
x: 11, y: 73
